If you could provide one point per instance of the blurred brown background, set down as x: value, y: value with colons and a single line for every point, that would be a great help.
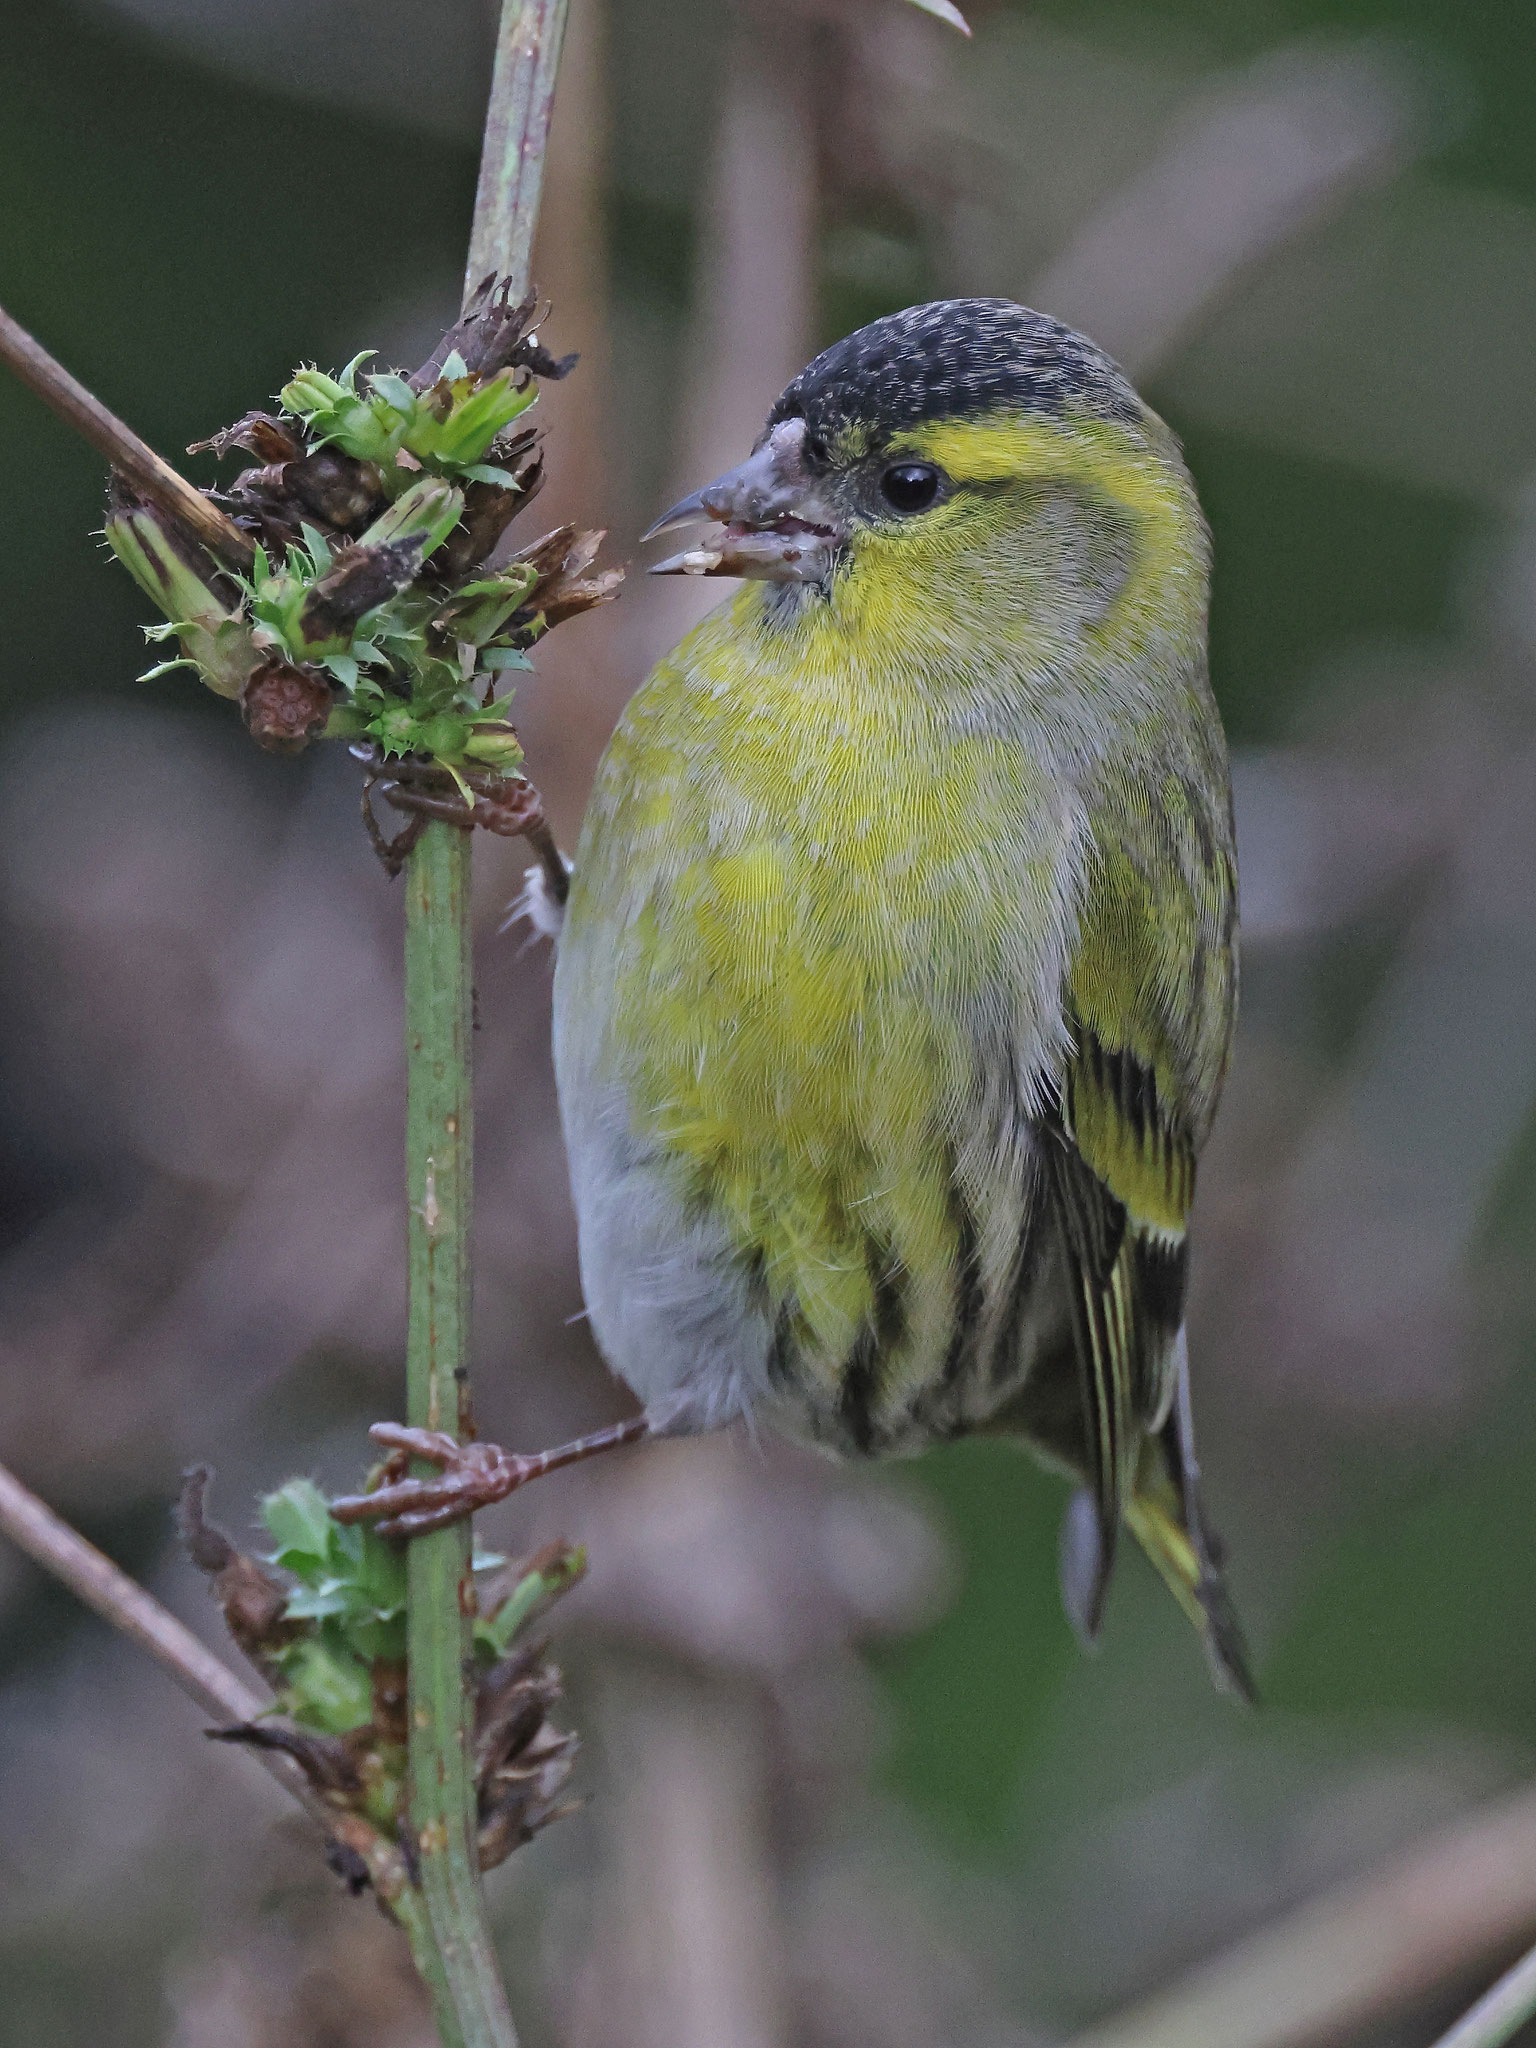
x: 851, y: 1784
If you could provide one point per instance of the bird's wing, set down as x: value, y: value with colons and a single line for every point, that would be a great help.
x: 1150, y: 999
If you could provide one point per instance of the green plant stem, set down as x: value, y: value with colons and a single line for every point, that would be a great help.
x: 471, y: 2003
x: 1497, y: 2017
x: 516, y: 133
x: 468, y: 1996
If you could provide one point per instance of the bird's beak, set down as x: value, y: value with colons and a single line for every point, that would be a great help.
x: 777, y: 522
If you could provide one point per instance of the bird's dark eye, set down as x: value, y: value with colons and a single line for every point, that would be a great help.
x: 909, y: 486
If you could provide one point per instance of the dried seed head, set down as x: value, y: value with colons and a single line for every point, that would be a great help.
x: 522, y: 1760
x: 570, y: 597
x: 548, y: 554
x: 560, y: 560
x: 255, y: 1604
x: 358, y: 579
x: 488, y: 511
x: 492, y: 334
x: 258, y: 433
x: 336, y: 489
x: 285, y: 707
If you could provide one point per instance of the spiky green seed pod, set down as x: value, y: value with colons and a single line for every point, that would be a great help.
x: 444, y: 736
x: 337, y: 414
x: 478, y: 611
x: 496, y: 748
x: 396, y: 728
x: 310, y: 392
x: 214, y: 639
x: 458, y: 437
x: 328, y: 1688
x: 278, y: 597
x: 310, y: 606
x: 448, y: 428
x: 431, y: 507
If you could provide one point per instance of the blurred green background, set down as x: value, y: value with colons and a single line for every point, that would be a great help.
x: 1310, y: 231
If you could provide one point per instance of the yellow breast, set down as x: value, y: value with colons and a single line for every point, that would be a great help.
x: 803, y: 890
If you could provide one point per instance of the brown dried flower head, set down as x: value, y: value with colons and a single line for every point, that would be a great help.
x: 285, y: 707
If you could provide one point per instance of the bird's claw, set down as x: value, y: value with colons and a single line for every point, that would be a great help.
x: 506, y: 804
x: 470, y: 1476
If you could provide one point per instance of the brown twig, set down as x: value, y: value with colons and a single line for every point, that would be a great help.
x: 357, y: 1852
x: 149, y: 473
x: 1460, y: 1900
x: 96, y: 1580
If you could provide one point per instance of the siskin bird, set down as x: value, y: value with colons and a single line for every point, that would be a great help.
x: 897, y: 980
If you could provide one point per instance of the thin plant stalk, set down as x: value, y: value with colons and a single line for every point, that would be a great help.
x: 150, y: 474
x: 94, y: 1579
x: 470, y: 2000
x: 102, y: 1586
x: 1499, y: 2015
x: 528, y: 46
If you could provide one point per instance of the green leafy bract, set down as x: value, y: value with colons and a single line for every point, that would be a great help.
x: 349, y: 1597
x: 447, y: 429
x: 534, y: 1592
x: 351, y: 1588
x: 415, y: 670
x: 214, y: 640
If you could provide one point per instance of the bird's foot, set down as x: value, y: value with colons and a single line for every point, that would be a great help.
x: 507, y: 805
x: 469, y: 1476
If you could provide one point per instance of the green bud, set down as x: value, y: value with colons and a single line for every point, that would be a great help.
x: 530, y: 1599
x: 337, y: 414
x: 395, y: 729
x: 327, y: 1687
x: 479, y: 610
x: 277, y: 605
x: 396, y: 393
x: 498, y: 750
x: 359, y: 428
x: 310, y: 391
x: 215, y: 640
x: 431, y: 507
x: 444, y: 735
x: 475, y: 416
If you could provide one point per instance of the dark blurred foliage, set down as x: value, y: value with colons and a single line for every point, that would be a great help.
x: 853, y: 1781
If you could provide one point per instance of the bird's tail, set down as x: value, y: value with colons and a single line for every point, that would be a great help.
x: 1167, y: 1519
x: 1191, y: 1570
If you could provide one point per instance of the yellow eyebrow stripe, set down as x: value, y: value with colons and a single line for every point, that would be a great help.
x: 1127, y: 467
x: 1021, y: 447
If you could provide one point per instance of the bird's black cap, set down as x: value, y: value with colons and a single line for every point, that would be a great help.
x: 955, y: 357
